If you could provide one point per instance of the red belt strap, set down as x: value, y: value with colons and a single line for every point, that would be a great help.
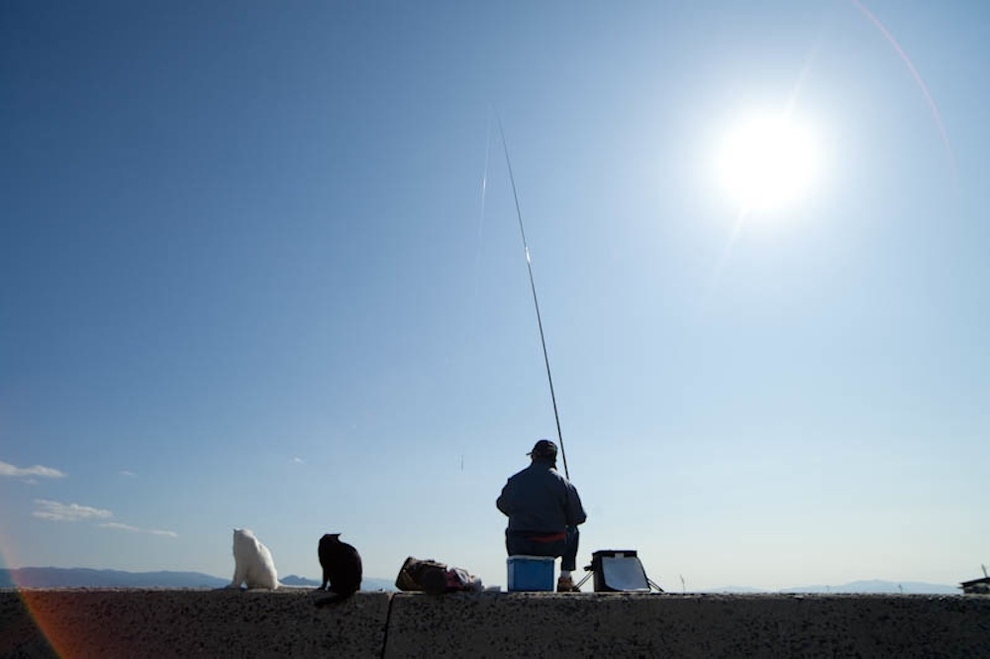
x: 547, y: 537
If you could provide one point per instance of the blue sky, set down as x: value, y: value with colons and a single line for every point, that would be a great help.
x: 260, y: 267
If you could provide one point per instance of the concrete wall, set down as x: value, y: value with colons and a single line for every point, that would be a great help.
x: 162, y: 623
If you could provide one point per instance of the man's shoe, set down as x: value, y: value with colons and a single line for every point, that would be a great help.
x: 566, y: 585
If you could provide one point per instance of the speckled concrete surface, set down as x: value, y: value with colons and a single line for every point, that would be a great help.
x: 189, y: 623
x: 641, y: 625
x: 284, y: 623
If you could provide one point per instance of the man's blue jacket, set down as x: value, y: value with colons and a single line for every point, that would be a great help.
x: 540, y: 499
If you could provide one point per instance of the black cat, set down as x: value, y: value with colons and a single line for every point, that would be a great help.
x: 341, y: 565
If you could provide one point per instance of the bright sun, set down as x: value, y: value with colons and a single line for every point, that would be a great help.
x: 768, y: 162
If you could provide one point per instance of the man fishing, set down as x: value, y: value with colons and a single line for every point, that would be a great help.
x: 544, y: 511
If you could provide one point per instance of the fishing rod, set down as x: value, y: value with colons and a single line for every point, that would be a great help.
x: 536, y: 303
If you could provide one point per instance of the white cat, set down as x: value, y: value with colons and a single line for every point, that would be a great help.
x: 253, y: 563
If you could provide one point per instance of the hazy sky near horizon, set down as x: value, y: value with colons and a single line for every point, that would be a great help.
x: 260, y: 267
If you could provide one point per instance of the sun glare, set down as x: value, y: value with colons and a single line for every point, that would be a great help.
x: 768, y: 162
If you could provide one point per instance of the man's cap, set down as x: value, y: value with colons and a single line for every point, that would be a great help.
x: 544, y: 449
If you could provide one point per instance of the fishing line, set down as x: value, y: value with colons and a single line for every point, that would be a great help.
x: 481, y: 216
x: 536, y: 303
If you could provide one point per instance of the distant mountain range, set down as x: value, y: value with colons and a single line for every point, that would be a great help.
x: 78, y: 577
x: 57, y: 577
x: 874, y: 586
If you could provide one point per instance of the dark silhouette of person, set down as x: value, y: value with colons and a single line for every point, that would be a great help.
x: 544, y: 511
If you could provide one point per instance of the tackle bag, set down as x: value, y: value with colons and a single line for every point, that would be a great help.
x: 619, y: 570
x: 434, y: 577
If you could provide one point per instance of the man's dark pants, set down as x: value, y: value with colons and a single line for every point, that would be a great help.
x: 522, y: 543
